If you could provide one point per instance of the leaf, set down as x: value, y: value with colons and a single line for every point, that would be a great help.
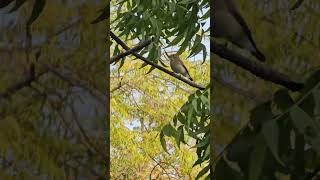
x: 196, y: 46
x: 36, y: 11
x: 203, y: 171
x: 179, y: 136
x: 195, y: 104
x: 206, y: 153
x: 300, y: 119
x: 311, y: 82
x: 104, y: 15
x: 307, y: 126
x: 163, y: 142
x: 162, y: 63
x: 122, y: 62
x: 282, y: 100
x: 151, y: 69
x: 224, y: 172
x: 316, y: 96
x: 116, y: 50
x: 204, y: 53
x: 190, y: 115
x: 203, y: 143
x: 270, y: 131
x: 257, y: 158
x: 17, y: 5
x: 260, y: 114
x: 176, y: 40
x: 144, y: 64
x: 168, y: 130
x: 308, y: 104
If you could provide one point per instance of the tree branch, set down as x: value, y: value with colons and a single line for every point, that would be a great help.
x: 140, y: 46
x: 296, y: 5
x: 21, y: 84
x: 71, y: 78
x: 254, y: 67
x: 21, y: 46
x: 124, y: 46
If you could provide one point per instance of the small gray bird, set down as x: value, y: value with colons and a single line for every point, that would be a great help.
x: 177, y: 66
x: 229, y: 24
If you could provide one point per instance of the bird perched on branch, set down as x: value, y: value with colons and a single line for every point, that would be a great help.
x: 177, y: 66
x: 229, y: 24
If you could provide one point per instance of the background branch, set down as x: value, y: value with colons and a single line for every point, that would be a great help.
x: 254, y: 67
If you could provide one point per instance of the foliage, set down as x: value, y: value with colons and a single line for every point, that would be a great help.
x: 53, y: 127
x: 288, y: 40
x: 193, y: 120
x: 140, y: 107
x: 281, y: 139
x: 169, y: 22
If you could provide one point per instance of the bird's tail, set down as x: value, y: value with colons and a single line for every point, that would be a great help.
x: 187, y: 75
x: 259, y: 55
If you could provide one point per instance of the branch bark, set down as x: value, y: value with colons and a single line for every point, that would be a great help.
x: 254, y: 67
x: 124, y: 46
x: 140, y: 46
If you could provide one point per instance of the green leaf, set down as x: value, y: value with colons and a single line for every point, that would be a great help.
x: 176, y: 40
x: 261, y: 114
x: 179, y: 136
x: 257, y: 158
x: 163, y: 142
x: 196, y: 46
x: 168, y: 130
x: 312, y: 81
x: 36, y: 11
x: 122, y: 62
x: 204, y: 53
x: 203, y: 171
x: 282, y: 100
x: 224, y: 172
x: 151, y: 69
x: 195, y: 104
x: 190, y: 115
x: 316, y: 96
x: 203, y: 143
x: 307, y: 126
x: 206, y: 153
x: 270, y: 131
x: 181, y: 118
x: 301, y: 119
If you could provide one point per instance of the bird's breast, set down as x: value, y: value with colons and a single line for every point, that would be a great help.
x: 177, y: 67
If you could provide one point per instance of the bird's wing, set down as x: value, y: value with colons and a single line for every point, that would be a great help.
x: 233, y: 10
x: 180, y: 61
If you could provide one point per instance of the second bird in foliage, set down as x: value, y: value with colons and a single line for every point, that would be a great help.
x: 177, y: 66
x: 229, y: 24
